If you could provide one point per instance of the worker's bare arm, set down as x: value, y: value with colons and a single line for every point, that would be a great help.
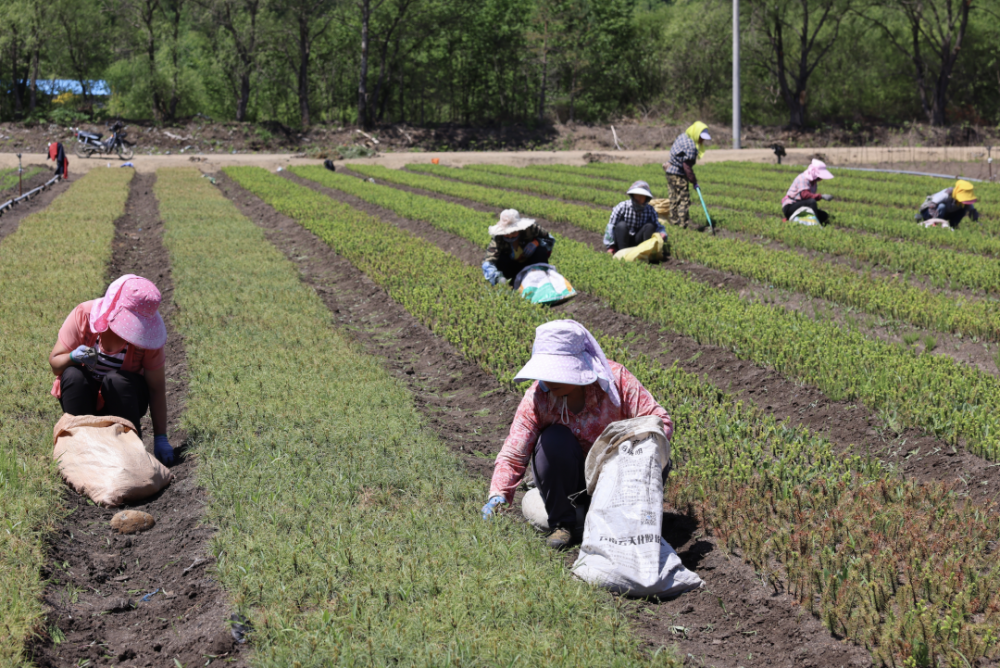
x: 157, y: 382
x: 59, y: 359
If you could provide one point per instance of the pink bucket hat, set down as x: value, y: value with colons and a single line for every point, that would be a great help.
x: 817, y: 170
x: 129, y: 309
x: 565, y: 352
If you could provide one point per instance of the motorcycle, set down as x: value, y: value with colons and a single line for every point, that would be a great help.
x: 89, y: 143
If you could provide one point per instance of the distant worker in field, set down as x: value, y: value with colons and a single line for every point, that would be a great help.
x: 577, y: 393
x: 803, y: 192
x: 687, y: 148
x: 632, y: 221
x: 109, y: 360
x: 950, y: 204
x: 517, y: 242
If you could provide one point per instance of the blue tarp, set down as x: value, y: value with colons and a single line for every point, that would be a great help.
x: 56, y: 86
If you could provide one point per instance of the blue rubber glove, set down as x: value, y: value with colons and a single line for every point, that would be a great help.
x: 490, y: 273
x: 491, y: 506
x: 163, y: 450
x: 530, y: 248
x: 84, y: 355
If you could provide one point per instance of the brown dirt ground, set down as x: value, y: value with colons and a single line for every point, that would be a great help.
x: 11, y: 219
x: 96, y: 576
x: 733, y: 618
x: 917, y: 454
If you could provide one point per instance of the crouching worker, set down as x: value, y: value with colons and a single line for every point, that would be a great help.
x: 803, y: 192
x: 578, y: 392
x: 109, y: 360
x: 517, y: 242
x: 633, y: 221
x: 951, y: 204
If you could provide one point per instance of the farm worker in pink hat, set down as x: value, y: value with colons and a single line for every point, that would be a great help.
x: 803, y: 192
x: 516, y: 243
x: 632, y: 221
x: 576, y: 394
x: 108, y: 359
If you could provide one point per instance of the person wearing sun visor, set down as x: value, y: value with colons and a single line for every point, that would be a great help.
x: 577, y: 393
x: 108, y: 359
x: 516, y: 243
x: 685, y: 152
x: 951, y: 204
x: 632, y: 221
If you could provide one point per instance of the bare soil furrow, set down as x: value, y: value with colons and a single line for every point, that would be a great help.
x: 11, y: 219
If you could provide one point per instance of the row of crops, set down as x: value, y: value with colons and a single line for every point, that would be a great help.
x: 55, y: 260
x: 902, y: 568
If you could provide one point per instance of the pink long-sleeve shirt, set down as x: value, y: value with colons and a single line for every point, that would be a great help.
x: 539, y: 410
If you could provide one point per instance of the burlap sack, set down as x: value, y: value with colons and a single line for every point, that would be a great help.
x: 104, y: 458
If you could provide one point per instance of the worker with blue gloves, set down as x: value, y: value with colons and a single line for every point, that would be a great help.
x: 109, y: 359
x: 516, y: 243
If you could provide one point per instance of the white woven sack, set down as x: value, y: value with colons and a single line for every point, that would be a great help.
x: 623, y: 549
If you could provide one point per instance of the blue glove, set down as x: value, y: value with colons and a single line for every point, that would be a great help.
x: 490, y: 273
x: 84, y: 355
x: 162, y: 449
x: 490, y: 508
x: 530, y: 248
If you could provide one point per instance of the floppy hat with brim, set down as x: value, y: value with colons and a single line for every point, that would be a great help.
x: 130, y: 309
x: 962, y: 192
x: 565, y: 352
x: 509, y: 223
x: 640, y: 188
x: 817, y: 170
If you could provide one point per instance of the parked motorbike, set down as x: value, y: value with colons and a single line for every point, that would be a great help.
x: 89, y: 143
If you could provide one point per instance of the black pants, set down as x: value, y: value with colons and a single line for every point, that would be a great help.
x: 625, y: 240
x: 953, y: 218
x: 511, y: 268
x: 821, y: 216
x: 126, y: 395
x: 558, y: 470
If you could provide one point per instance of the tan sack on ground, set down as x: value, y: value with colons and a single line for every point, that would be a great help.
x: 103, y: 458
x: 662, y: 207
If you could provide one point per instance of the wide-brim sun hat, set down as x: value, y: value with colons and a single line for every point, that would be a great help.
x: 509, y: 223
x: 565, y: 352
x: 640, y: 188
x: 962, y: 192
x: 817, y: 170
x: 130, y: 309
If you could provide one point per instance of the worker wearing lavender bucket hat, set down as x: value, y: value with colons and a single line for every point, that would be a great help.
x: 577, y: 393
x: 109, y: 359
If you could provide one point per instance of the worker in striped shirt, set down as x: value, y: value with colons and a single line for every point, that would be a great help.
x: 632, y: 221
x: 687, y: 148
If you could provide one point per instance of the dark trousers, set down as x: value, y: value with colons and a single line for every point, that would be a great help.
x: 789, y: 209
x: 510, y: 268
x: 558, y: 470
x: 953, y: 218
x: 125, y: 393
x: 625, y: 240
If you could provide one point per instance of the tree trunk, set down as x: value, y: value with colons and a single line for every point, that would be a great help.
x: 175, y: 93
x: 363, y: 79
x: 33, y: 87
x: 545, y: 74
x: 243, y: 102
x: 15, y: 79
x: 304, y: 71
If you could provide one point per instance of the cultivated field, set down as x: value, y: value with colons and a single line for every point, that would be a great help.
x: 345, y: 381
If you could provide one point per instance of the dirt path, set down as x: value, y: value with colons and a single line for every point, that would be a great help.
x: 11, y: 219
x: 917, y: 454
x: 733, y: 618
x: 97, y: 577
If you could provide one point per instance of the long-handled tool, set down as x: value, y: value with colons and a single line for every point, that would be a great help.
x: 705, y: 209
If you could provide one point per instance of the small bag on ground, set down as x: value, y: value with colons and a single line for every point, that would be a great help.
x: 103, y: 457
x: 542, y: 284
x: 650, y: 250
x: 623, y: 549
x: 804, y: 216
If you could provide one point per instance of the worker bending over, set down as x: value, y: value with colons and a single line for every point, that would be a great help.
x: 108, y: 359
x: 687, y: 148
x: 951, y: 204
x: 633, y: 221
x: 517, y: 242
x: 577, y: 393
x: 803, y: 192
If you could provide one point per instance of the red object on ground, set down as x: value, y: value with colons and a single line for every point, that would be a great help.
x: 57, y: 153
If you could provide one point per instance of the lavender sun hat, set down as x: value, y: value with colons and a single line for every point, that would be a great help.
x: 565, y: 352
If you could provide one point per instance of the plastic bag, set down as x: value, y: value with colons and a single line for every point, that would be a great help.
x: 104, y: 458
x: 650, y: 250
x: 804, y: 216
x: 623, y: 549
x: 542, y: 284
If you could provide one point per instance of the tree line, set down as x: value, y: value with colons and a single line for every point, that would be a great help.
x: 483, y: 62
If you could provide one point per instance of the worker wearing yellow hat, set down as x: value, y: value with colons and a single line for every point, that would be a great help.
x: 686, y: 149
x: 950, y: 204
